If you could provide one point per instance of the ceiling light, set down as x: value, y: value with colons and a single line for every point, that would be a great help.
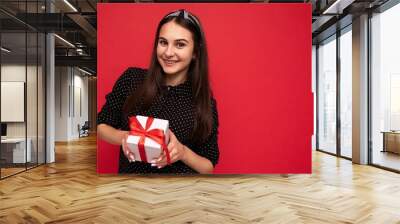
x: 86, y: 72
x: 64, y: 40
x: 5, y: 50
x: 70, y: 5
x: 338, y: 6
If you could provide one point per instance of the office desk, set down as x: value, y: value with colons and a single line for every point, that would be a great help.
x: 13, y: 150
x: 391, y: 141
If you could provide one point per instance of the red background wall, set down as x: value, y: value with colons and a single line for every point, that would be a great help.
x: 260, y: 68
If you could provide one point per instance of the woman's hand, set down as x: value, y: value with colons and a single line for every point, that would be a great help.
x: 177, y: 151
x: 127, y: 152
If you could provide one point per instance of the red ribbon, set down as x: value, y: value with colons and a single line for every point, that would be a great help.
x: 156, y: 135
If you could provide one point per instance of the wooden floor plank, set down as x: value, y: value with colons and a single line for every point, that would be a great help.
x: 70, y: 191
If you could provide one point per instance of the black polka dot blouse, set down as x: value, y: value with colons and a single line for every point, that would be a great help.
x: 175, y: 105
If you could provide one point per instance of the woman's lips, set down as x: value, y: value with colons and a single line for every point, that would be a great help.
x: 170, y: 62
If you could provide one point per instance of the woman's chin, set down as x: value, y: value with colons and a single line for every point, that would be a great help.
x: 170, y: 71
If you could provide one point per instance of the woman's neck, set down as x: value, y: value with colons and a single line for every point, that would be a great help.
x: 175, y: 79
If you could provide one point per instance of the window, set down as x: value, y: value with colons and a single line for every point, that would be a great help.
x: 385, y: 88
x: 346, y: 93
x: 327, y: 95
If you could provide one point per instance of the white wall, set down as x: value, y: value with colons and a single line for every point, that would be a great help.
x: 12, y: 73
x: 71, y: 94
x: 61, y: 103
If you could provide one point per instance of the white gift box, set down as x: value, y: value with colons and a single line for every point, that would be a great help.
x: 152, y: 148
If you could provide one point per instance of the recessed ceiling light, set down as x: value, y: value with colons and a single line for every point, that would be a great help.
x: 86, y: 72
x: 5, y: 50
x: 70, y: 5
x: 338, y: 6
x: 64, y: 40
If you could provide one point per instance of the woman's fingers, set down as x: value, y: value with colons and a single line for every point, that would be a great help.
x: 162, y: 160
x: 123, y: 146
x: 127, y: 152
x: 130, y: 157
x: 159, y: 163
x: 171, y: 143
x: 172, y: 156
x: 171, y: 135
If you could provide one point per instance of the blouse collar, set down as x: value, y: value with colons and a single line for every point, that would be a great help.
x: 184, y: 88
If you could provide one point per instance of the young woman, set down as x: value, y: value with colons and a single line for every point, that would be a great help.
x: 175, y: 88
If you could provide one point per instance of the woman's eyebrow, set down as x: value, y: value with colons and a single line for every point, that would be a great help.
x: 177, y: 40
x: 184, y: 40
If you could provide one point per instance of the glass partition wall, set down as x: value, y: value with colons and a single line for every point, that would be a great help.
x: 334, y: 94
x: 22, y: 77
x: 385, y: 89
x: 327, y: 95
x: 345, y: 62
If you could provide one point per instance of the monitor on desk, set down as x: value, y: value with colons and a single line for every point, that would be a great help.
x: 3, y: 130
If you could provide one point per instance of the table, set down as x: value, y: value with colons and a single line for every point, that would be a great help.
x: 13, y: 150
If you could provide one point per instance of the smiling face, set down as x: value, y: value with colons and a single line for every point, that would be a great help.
x: 175, y: 50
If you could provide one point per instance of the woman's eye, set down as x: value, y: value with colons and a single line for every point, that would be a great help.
x: 180, y: 45
x: 162, y: 42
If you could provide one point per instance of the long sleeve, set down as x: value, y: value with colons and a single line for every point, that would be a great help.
x: 209, y: 148
x: 111, y: 112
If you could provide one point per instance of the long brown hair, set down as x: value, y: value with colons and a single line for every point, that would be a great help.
x: 197, y: 74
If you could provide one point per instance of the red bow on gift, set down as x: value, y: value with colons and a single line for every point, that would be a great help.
x: 156, y: 135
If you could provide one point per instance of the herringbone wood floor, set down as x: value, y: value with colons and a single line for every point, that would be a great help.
x: 70, y: 191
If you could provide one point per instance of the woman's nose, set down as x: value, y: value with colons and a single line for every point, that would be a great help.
x: 169, y: 52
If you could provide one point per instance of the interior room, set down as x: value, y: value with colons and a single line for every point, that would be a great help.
x: 49, y: 134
